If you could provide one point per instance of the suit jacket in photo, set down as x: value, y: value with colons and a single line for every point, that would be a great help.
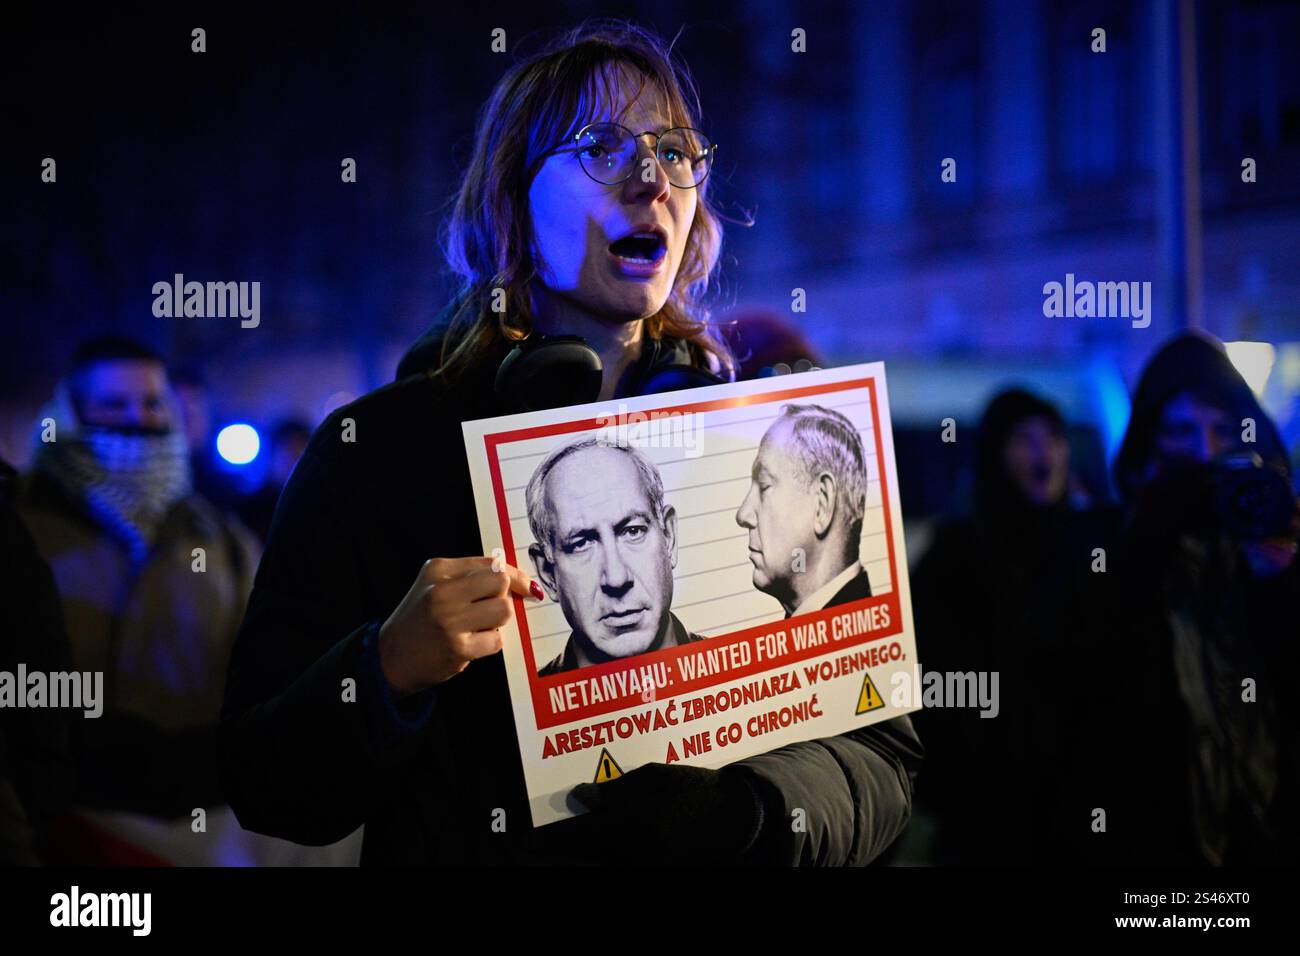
x: 859, y: 587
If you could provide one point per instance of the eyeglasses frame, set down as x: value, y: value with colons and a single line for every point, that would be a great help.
x: 712, y: 148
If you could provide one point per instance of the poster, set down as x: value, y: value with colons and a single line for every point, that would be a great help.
x: 724, y: 571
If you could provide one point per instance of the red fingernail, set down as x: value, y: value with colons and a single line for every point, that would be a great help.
x: 535, y: 590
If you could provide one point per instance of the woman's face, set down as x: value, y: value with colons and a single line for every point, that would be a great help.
x: 577, y: 220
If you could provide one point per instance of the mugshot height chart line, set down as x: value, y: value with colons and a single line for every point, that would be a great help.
x: 713, y: 589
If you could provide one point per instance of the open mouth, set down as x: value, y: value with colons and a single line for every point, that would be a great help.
x: 646, y: 247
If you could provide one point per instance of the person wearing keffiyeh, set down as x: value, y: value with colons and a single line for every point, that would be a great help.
x: 154, y: 580
x: 127, y: 476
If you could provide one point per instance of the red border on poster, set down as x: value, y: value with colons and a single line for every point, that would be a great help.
x: 541, y: 687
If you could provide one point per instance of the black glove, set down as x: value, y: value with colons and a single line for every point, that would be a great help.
x: 662, y: 814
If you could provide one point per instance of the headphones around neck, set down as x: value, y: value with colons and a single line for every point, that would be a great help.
x: 554, y: 371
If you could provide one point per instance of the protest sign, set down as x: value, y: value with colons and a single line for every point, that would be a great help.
x: 724, y: 569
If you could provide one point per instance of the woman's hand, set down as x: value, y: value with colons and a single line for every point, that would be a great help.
x: 449, y: 617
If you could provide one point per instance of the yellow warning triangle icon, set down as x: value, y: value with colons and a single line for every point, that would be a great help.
x: 869, y: 698
x: 607, y: 768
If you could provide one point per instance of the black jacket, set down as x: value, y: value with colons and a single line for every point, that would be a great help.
x: 1198, y: 772
x: 428, y: 777
x: 36, y: 765
x: 997, y: 594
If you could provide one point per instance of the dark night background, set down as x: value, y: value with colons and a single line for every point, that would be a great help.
x: 225, y: 166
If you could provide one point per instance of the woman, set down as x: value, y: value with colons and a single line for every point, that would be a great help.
x: 565, y: 225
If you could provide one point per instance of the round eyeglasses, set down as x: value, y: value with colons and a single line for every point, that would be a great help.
x: 608, y: 154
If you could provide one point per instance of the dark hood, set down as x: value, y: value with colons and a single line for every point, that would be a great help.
x: 1198, y: 364
x: 996, y: 493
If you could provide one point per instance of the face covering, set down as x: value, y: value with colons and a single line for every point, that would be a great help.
x: 127, y: 478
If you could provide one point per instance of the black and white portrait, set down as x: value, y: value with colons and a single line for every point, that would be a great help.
x: 605, y: 546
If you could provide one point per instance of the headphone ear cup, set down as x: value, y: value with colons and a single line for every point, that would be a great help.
x: 550, y: 373
x: 666, y: 368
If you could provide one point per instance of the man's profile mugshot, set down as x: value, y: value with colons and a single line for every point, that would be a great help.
x: 803, y: 511
x: 605, y: 549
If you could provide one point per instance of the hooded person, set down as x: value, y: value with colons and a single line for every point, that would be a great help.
x: 153, y: 581
x: 990, y: 597
x: 1199, y: 604
x: 1193, y: 413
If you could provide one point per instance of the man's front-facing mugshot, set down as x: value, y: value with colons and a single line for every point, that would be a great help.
x: 605, y: 549
x: 807, y: 495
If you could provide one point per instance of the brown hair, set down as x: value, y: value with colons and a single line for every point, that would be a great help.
x: 539, y: 103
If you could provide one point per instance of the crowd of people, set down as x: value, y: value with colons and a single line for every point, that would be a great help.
x: 1142, y: 647
x: 268, y: 704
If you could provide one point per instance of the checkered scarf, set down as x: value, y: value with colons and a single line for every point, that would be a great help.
x: 126, y: 478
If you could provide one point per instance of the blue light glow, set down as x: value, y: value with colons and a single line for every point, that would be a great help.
x: 238, y: 443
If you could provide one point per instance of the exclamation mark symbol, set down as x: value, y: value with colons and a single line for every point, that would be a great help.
x: 607, y: 768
